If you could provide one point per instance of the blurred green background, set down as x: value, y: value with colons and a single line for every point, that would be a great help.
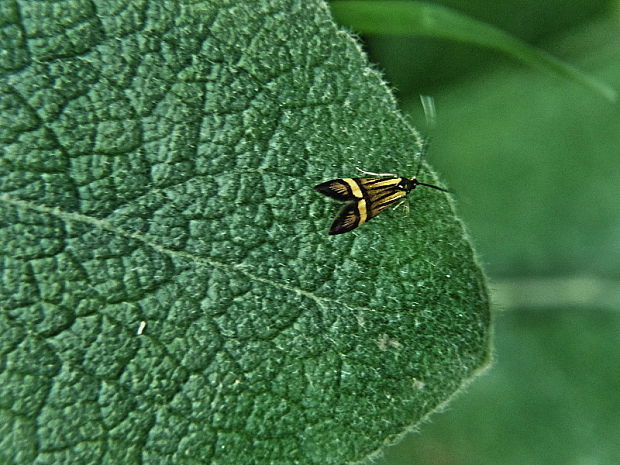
x: 535, y: 162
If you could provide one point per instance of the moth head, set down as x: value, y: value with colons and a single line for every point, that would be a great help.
x: 407, y: 184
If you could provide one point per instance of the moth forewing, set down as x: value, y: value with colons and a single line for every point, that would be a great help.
x: 339, y: 189
x: 379, y: 184
x: 384, y: 201
x: 334, y: 189
x: 350, y: 217
x: 367, y: 197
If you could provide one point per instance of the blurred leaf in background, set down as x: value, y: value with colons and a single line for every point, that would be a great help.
x: 407, y: 18
x: 534, y: 162
x: 551, y: 398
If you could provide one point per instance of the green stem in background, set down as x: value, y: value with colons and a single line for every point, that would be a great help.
x: 417, y: 18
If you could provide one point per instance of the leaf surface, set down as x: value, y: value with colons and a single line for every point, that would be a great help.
x: 168, y: 289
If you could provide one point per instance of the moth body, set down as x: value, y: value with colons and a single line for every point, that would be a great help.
x: 367, y: 198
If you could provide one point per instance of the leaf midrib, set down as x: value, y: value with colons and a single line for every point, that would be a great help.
x: 203, y: 261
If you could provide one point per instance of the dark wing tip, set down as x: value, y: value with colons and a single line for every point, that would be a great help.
x: 347, y: 220
x: 323, y: 187
x: 327, y: 187
x: 336, y: 229
x: 339, y: 229
x: 336, y: 189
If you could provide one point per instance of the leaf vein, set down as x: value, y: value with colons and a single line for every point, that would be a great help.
x: 240, y: 267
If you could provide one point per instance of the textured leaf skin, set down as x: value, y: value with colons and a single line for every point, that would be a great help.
x: 157, y: 165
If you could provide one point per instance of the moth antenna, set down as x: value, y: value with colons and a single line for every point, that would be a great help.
x: 443, y: 189
x: 428, y: 104
x: 422, y: 153
x: 430, y: 113
x: 376, y: 174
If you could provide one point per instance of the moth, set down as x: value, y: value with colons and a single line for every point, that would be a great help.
x: 367, y: 197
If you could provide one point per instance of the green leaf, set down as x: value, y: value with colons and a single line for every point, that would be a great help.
x: 169, y: 293
x: 417, y: 18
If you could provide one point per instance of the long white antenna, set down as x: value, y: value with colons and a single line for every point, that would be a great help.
x: 428, y: 104
x: 381, y: 175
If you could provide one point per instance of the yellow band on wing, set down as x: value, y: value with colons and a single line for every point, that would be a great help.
x: 392, y: 182
x: 361, y: 206
x: 355, y: 188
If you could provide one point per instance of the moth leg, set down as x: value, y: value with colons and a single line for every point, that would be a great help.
x: 401, y: 202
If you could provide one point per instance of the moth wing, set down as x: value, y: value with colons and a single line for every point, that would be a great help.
x: 383, y: 201
x: 348, y: 219
x: 336, y: 189
x: 382, y: 193
x: 367, y: 196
